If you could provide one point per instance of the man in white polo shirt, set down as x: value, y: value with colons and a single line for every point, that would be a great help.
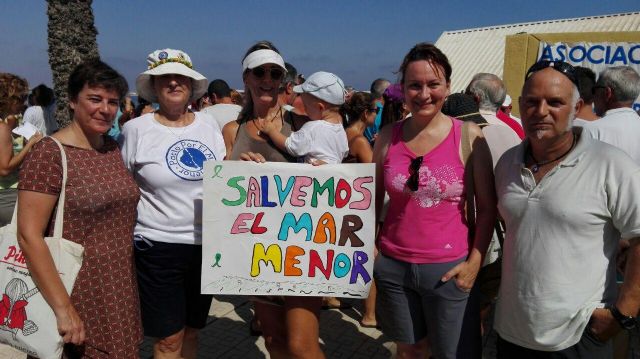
x: 613, y: 95
x: 567, y: 200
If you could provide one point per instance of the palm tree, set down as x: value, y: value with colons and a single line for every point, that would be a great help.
x: 72, y: 39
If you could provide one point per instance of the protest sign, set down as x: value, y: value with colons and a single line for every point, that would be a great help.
x: 288, y: 229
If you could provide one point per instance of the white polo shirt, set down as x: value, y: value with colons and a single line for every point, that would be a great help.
x: 561, y: 241
x: 619, y: 127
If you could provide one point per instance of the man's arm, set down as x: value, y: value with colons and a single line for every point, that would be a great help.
x: 603, y: 325
x: 629, y: 297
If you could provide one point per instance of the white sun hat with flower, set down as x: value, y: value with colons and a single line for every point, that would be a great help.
x: 169, y: 61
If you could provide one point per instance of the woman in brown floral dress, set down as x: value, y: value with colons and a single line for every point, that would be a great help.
x: 101, y: 318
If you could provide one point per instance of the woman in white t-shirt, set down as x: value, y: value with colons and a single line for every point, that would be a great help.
x: 42, y: 114
x: 166, y: 150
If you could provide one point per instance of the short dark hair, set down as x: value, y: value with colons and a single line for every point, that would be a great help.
x: 586, y: 80
x: 94, y: 72
x: 42, y: 95
x: 142, y: 103
x: 220, y: 88
x: 378, y: 86
x: 427, y: 52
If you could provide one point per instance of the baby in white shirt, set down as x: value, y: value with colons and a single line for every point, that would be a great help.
x: 323, y: 138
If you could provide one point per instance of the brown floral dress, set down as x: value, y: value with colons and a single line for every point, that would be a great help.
x: 99, y: 213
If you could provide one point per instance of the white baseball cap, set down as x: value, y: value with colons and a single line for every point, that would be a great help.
x: 325, y: 86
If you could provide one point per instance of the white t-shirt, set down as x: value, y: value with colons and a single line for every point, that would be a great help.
x: 500, y: 139
x: 167, y: 164
x: 561, y: 241
x: 619, y: 127
x: 223, y: 112
x: 579, y: 122
x: 319, y: 140
x: 42, y: 118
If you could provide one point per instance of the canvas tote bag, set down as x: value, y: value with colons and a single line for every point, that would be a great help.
x: 27, y: 323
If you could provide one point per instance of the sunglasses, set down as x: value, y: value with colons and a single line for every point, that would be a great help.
x: 414, y: 174
x: 372, y: 110
x: 560, y: 66
x: 274, y: 72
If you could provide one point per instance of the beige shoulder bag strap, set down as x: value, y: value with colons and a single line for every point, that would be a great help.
x: 59, y: 223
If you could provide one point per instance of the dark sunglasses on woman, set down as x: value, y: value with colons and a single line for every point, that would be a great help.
x: 372, y: 110
x: 274, y: 72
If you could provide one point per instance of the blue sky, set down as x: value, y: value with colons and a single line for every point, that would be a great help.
x: 358, y: 40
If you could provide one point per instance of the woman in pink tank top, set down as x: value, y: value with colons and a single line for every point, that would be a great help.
x: 429, y: 262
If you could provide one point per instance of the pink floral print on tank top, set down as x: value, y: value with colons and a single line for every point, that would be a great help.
x: 426, y: 225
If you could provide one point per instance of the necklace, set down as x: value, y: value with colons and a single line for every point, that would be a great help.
x: 255, y: 124
x: 179, y: 134
x: 536, y: 166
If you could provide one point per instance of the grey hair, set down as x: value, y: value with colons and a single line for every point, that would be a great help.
x: 623, y: 80
x: 291, y: 76
x: 489, y: 89
x: 378, y: 86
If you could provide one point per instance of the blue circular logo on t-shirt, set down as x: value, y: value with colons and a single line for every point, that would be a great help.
x: 186, y: 158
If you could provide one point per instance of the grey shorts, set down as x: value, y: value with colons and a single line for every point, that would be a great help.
x: 412, y: 303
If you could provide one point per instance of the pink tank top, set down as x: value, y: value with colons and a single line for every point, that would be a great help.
x: 428, y: 225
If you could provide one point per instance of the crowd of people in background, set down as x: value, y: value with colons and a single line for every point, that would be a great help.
x: 534, y: 219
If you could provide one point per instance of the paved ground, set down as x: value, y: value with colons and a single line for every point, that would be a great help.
x: 227, y: 336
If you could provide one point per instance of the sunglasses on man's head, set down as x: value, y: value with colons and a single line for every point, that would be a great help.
x: 414, y: 173
x: 560, y: 66
x: 274, y: 72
